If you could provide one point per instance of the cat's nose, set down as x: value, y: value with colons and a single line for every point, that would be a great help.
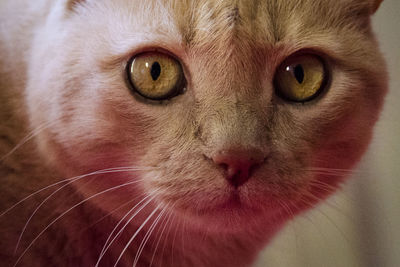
x: 238, y: 164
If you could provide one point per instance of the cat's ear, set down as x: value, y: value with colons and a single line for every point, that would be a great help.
x: 375, y: 5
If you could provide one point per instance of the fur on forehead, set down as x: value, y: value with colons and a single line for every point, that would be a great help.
x: 222, y: 17
x: 229, y: 20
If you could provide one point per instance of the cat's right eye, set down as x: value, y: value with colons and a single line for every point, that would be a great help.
x: 155, y: 76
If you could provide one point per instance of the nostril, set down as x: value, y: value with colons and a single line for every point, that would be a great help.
x: 238, y: 164
x: 224, y: 166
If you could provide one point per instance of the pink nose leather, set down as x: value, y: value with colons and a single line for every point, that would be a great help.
x: 238, y: 164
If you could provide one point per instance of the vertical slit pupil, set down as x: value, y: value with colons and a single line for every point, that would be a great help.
x: 299, y: 73
x: 155, y: 71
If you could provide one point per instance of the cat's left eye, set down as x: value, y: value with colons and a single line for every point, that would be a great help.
x: 300, y: 78
x: 155, y: 76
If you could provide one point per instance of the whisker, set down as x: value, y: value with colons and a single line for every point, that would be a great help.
x: 67, y: 211
x: 27, y: 138
x: 32, y: 195
x: 135, y: 234
x: 167, y: 234
x: 173, y: 244
x: 338, y: 229
x: 112, y: 170
x: 109, y: 214
x: 183, y: 237
x: 108, y: 243
x: 147, y: 236
x: 316, y: 227
x: 286, y: 208
x: 323, y: 185
x: 330, y: 220
x: 162, y: 231
x: 333, y: 171
x: 329, y: 189
x: 334, y: 174
x: 333, y: 207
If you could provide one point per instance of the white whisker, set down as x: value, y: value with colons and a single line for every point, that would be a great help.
x: 162, y: 232
x: 109, y: 214
x: 32, y: 195
x: 67, y: 211
x: 147, y: 236
x: 28, y: 137
x: 135, y: 234
x: 332, y: 171
x: 109, y: 242
x: 106, y: 171
x: 330, y: 220
x: 110, y: 170
x: 168, y: 232
x: 173, y: 243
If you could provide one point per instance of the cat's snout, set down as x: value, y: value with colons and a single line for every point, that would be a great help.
x: 238, y: 164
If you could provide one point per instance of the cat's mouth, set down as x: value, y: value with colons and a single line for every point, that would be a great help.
x: 233, y: 202
x: 232, y: 205
x: 233, y: 212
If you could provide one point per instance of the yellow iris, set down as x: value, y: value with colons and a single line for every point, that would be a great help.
x: 300, y: 78
x: 156, y: 75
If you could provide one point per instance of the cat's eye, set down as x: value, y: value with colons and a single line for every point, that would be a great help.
x: 300, y: 78
x: 155, y: 75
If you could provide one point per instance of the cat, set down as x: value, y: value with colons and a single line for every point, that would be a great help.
x: 176, y: 133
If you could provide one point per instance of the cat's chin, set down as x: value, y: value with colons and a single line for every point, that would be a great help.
x: 231, y: 215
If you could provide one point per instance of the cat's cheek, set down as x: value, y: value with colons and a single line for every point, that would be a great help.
x: 110, y: 179
x: 333, y: 159
x: 81, y: 164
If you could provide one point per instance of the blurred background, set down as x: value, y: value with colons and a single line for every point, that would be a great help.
x: 360, y: 226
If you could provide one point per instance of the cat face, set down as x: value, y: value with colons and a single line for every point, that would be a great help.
x: 237, y: 143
